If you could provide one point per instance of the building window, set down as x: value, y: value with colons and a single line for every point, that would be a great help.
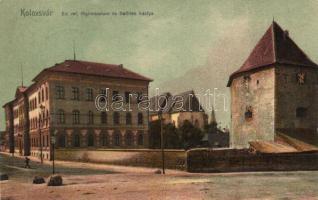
x: 103, y: 92
x: 117, y: 139
x: 62, y: 140
x: 249, y: 113
x: 76, y: 140
x: 90, y: 140
x: 89, y: 94
x: 76, y: 117
x: 140, y: 118
x: 39, y: 96
x: 46, y: 93
x: 90, y: 117
x: 140, y: 139
x: 128, y: 118
x: 59, y: 92
x: 60, y: 116
x: 42, y: 95
x: 116, y: 118
x: 129, y: 138
x: 301, y: 112
x: 75, y: 92
x: 104, y: 139
x: 103, y: 117
x: 139, y: 97
x: 115, y: 96
x: 127, y: 97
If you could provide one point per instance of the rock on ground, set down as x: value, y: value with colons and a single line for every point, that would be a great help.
x: 55, y: 180
x: 38, y: 180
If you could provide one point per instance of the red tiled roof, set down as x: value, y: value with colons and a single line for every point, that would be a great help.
x: 97, y: 69
x: 274, y: 47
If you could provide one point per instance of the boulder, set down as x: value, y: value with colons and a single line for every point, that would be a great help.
x: 158, y: 171
x: 55, y: 180
x: 38, y: 180
x: 4, y: 177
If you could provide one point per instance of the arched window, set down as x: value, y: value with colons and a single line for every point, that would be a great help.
x: 140, y: 118
x: 62, y: 140
x: 90, y: 117
x: 140, y: 139
x: 117, y: 138
x: 116, y: 118
x: 47, y: 117
x: 42, y: 94
x: 103, y: 117
x: 76, y: 140
x: 104, y: 139
x: 128, y: 118
x: 90, y: 140
x: 129, y: 138
x: 76, y: 117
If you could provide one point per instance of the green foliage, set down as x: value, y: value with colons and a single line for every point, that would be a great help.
x: 184, y: 137
x: 191, y: 136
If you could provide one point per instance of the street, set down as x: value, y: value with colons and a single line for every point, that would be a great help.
x: 98, y: 181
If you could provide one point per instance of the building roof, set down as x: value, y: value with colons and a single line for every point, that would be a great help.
x: 275, y: 47
x: 190, y: 103
x: 93, y: 68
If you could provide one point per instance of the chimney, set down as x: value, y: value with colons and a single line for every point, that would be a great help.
x: 121, y: 66
x: 286, y: 34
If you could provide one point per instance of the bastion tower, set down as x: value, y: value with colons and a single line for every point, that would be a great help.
x: 274, y: 91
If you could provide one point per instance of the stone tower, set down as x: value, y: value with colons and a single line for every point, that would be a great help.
x: 275, y: 90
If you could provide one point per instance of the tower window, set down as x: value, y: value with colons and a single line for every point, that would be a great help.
x: 249, y: 113
x: 301, y: 112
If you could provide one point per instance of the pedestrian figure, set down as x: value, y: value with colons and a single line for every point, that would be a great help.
x: 27, y: 161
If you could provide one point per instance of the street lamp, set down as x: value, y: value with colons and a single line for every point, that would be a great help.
x: 40, y: 126
x: 53, y: 141
x: 162, y: 142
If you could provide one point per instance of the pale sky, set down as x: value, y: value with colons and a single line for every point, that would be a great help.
x: 184, y: 45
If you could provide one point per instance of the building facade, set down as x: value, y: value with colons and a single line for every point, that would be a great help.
x: 62, y: 102
x: 275, y: 90
x: 178, y: 108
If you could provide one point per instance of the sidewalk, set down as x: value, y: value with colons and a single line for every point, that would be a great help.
x: 99, y: 166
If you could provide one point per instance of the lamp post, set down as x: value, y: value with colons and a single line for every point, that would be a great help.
x: 40, y: 126
x: 162, y: 142
x: 53, y: 141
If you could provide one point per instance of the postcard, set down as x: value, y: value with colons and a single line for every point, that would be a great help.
x: 145, y: 99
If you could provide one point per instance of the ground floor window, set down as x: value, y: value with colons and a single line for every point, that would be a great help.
x: 90, y: 140
x: 117, y: 139
x: 140, y: 139
x: 104, y: 139
x: 62, y: 140
x: 76, y: 140
x: 129, y: 138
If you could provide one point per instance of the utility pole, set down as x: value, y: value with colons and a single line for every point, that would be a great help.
x: 53, y: 141
x: 162, y: 142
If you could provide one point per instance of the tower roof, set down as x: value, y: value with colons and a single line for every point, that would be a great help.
x: 275, y: 47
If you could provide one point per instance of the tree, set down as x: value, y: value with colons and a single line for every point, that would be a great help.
x: 154, y: 132
x: 191, y: 136
x: 171, y: 137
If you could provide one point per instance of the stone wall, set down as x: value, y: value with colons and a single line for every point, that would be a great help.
x: 231, y: 160
x: 255, y: 90
x: 174, y: 159
x: 291, y: 95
